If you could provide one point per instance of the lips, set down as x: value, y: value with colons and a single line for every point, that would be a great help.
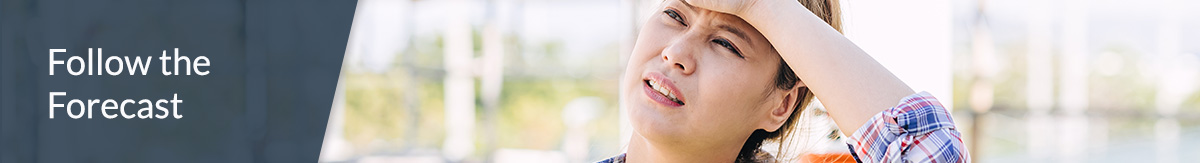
x: 662, y: 90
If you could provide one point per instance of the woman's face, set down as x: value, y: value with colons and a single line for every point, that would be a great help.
x: 698, y: 75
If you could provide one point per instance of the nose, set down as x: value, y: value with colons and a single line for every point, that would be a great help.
x: 680, y: 55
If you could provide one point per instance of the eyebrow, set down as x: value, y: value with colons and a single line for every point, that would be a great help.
x: 733, y: 30
x: 725, y: 27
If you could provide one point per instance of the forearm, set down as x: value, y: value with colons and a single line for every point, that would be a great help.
x: 850, y: 84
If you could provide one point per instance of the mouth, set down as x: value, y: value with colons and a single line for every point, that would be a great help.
x: 660, y: 89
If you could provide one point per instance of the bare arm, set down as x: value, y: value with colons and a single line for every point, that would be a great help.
x: 852, y: 85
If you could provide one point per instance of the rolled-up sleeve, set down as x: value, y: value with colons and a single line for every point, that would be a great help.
x: 919, y: 129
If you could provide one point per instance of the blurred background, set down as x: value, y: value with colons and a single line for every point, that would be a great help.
x: 536, y: 80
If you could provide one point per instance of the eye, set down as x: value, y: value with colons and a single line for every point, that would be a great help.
x: 675, y: 15
x: 728, y: 45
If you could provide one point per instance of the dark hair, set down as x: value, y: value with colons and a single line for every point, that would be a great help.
x: 785, y: 78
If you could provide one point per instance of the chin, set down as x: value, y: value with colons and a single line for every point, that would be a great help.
x: 651, y: 122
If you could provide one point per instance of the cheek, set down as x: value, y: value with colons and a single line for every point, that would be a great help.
x: 732, y: 83
x: 730, y: 96
x: 646, y: 50
x: 643, y: 52
x: 651, y: 40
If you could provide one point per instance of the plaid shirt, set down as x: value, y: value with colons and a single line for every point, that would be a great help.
x: 919, y: 129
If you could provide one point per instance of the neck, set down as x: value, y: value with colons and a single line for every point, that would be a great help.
x: 642, y: 150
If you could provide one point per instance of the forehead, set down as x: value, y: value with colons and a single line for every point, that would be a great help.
x: 719, y: 21
x: 719, y: 18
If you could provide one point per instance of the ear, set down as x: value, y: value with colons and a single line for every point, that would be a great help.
x: 781, y: 111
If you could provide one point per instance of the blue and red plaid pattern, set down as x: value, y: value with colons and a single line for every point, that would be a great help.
x: 919, y: 129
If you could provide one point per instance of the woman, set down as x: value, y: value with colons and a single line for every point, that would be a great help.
x: 711, y: 80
